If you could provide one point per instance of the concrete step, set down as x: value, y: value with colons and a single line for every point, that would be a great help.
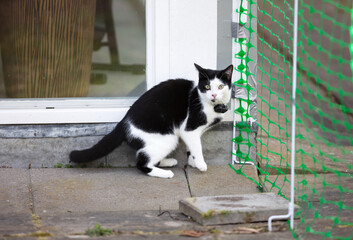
x: 49, y: 145
x: 240, y: 208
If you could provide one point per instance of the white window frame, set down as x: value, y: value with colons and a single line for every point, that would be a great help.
x: 70, y: 110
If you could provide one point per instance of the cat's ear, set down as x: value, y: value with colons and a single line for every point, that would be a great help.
x: 202, y: 73
x: 200, y: 69
x: 227, y: 73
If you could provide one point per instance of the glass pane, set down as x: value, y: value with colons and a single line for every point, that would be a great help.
x: 81, y: 48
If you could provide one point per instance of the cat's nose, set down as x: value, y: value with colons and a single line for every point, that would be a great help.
x: 214, y: 95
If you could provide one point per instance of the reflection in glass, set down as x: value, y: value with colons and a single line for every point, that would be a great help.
x: 81, y: 48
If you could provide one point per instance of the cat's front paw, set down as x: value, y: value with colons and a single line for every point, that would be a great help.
x: 202, y: 166
x: 220, y: 108
x: 193, y: 162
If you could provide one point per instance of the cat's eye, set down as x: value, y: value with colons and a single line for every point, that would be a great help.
x: 208, y: 87
x: 220, y: 86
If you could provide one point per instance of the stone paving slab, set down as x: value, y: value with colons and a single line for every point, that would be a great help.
x: 111, y: 189
x: 14, y: 186
x: 124, y: 221
x: 15, y: 202
x: 147, y: 225
x: 242, y: 208
x: 16, y: 223
x: 222, y: 180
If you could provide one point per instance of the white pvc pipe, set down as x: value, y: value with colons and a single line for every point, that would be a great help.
x: 294, y: 88
x: 236, y: 76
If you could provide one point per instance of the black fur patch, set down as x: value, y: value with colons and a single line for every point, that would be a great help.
x: 162, y: 108
x: 188, y: 153
x: 216, y: 121
x: 142, y: 161
x: 197, y: 117
x: 105, y: 146
x: 135, y: 143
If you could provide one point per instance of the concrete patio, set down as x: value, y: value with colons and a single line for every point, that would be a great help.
x: 62, y: 203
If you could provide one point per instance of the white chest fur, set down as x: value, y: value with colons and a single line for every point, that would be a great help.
x: 211, y: 114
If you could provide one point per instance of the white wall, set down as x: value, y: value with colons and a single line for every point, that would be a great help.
x: 193, y: 36
x: 185, y: 33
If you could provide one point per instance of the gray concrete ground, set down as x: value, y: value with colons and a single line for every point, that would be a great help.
x: 64, y: 203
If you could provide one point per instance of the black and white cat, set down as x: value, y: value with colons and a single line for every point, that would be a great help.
x: 174, y: 108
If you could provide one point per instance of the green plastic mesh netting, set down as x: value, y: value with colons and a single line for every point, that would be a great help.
x: 324, y: 123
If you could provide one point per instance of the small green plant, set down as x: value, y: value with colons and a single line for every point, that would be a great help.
x: 68, y: 166
x: 41, y: 235
x: 58, y: 165
x: 208, y: 214
x: 224, y: 213
x: 215, y: 231
x: 248, y: 216
x: 103, y: 165
x: 99, y: 231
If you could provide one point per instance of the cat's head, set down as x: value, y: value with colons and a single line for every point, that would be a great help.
x: 215, y: 85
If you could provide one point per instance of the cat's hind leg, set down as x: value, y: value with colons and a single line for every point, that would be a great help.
x: 161, y: 173
x: 168, y: 162
x: 153, y: 154
x: 145, y: 165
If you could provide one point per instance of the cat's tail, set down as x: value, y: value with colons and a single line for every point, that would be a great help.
x: 105, y: 146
